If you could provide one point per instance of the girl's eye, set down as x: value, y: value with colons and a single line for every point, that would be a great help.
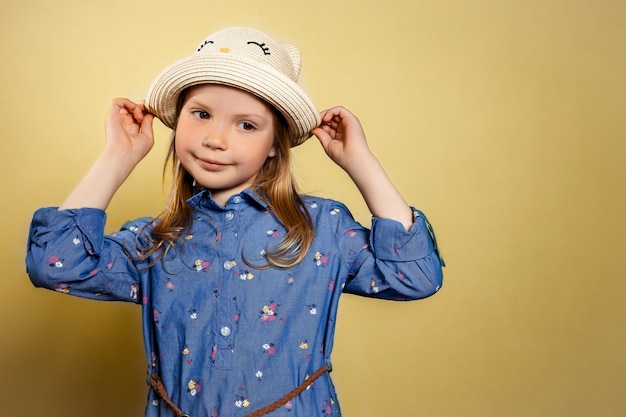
x: 201, y: 114
x: 246, y: 126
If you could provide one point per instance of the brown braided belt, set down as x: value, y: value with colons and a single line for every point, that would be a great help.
x: 159, y: 388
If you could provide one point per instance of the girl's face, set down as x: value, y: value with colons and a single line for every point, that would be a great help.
x: 223, y: 137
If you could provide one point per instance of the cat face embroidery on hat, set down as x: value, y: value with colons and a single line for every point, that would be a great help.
x: 252, y: 44
x: 242, y: 58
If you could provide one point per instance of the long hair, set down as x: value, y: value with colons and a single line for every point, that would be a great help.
x: 274, y: 184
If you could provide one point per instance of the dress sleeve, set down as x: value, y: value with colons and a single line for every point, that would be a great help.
x: 393, y: 263
x: 69, y: 253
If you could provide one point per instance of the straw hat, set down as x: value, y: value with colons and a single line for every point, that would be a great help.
x: 246, y: 59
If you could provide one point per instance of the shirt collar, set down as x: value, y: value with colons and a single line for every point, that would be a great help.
x: 202, y: 198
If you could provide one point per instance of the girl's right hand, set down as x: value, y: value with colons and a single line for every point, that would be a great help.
x: 128, y: 130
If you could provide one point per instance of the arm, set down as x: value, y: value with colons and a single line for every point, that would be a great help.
x: 129, y: 138
x: 343, y: 139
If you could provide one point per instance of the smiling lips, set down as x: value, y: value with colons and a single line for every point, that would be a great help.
x: 211, y: 165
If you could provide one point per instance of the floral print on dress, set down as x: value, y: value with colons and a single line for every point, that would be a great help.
x: 55, y: 262
x: 200, y: 265
x: 241, y: 398
x: 194, y: 387
x: 269, y: 312
x: 169, y: 284
x: 245, y: 275
x: 134, y: 289
x: 320, y: 259
x: 288, y: 405
x: 62, y: 288
x: 327, y: 407
x: 269, y: 348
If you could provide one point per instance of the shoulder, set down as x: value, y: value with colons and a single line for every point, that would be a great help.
x: 139, y: 228
x: 325, y: 211
x: 139, y: 224
x: 320, y: 205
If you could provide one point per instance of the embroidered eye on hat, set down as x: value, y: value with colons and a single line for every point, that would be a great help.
x: 243, y: 58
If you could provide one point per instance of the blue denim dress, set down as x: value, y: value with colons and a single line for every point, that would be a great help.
x: 225, y: 336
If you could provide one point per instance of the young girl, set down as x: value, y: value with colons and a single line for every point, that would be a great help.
x: 239, y: 277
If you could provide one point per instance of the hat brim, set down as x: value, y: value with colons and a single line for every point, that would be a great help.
x: 256, y: 78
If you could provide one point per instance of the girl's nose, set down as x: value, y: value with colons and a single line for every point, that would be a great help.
x: 216, y: 138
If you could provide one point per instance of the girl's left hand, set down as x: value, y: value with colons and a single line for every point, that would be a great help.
x: 341, y: 135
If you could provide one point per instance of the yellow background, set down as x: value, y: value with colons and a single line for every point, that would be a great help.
x: 503, y: 120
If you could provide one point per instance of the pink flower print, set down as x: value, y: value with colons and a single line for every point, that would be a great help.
x: 55, y: 262
x: 269, y: 348
x: 200, y: 265
x: 169, y: 284
x: 155, y: 317
x: 269, y: 312
x: 321, y: 259
x: 62, y: 288
x: 273, y: 233
x: 214, y: 353
x: 351, y: 233
x: 331, y: 285
x: 327, y: 407
x: 245, y: 275
x: 194, y: 388
x: 288, y: 405
x: 290, y: 279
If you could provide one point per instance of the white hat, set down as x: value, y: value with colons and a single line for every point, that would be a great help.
x: 246, y: 59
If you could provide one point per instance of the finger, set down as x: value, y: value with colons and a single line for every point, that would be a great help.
x: 323, y: 136
x: 146, y: 124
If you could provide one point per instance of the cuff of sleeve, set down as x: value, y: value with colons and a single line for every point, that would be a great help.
x: 49, y: 222
x: 390, y: 241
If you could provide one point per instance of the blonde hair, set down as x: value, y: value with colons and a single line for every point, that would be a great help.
x: 274, y: 184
